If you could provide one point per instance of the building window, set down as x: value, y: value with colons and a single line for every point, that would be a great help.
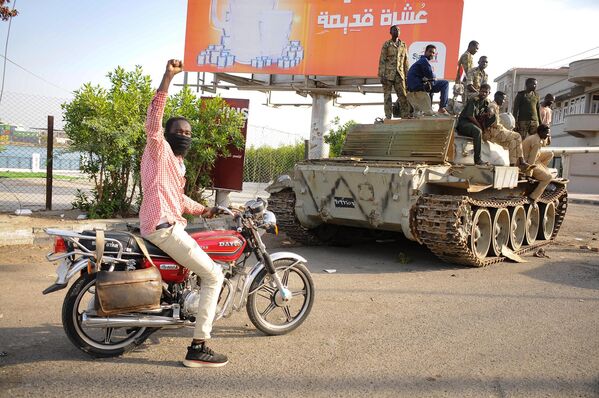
x: 594, y: 108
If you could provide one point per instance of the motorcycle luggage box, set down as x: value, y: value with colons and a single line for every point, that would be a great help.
x: 128, y: 291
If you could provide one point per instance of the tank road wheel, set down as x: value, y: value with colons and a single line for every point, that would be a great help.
x: 532, y: 223
x: 547, y: 210
x: 481, y: 233
x: 501, y: 230
x: 518, y: 227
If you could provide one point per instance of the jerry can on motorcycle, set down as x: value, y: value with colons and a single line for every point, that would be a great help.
x: 129, y: 291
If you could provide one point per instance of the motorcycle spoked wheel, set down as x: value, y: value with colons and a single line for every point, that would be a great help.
x: 266, y: 310
x: 98, y: 342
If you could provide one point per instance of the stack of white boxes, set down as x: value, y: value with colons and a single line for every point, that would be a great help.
x: 217, y: 54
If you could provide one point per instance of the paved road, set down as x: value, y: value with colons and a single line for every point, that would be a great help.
x: 378, y: 328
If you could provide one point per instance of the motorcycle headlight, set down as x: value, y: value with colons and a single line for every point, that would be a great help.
x: 270, y: 222
x: 269, y: 217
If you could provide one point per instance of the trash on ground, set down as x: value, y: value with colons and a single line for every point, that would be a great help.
x: 330, y: 271
x: 82, y: 217
x: 23, y: 212
x: 541, y: 253
x: 507, y: 252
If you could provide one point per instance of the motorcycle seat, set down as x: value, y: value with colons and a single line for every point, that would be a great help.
x: 130, y: 247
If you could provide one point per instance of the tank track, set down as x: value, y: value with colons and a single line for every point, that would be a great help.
x: 443, y: 224
x: 283, y: 205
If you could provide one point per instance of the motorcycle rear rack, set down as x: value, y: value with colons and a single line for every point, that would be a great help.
x: 81, y: 250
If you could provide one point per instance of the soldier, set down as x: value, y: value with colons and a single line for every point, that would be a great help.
x: 526, y: 109
x: 466, y: 60
x: 476, y: 76
x: 508, y: 139
x: 469, y: 121
x: 393, y: 69
x: 531, y: 148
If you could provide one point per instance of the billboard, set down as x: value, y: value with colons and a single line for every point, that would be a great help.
x: 316, y: 37
x: 227, y: 172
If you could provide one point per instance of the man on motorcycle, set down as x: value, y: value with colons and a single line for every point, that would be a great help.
x: 160, y: 214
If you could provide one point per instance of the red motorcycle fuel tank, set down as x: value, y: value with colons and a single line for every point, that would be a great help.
x: 221, y: 245
x: 170, y: 271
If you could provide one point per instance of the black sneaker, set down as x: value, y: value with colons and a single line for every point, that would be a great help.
x: 200, y: 356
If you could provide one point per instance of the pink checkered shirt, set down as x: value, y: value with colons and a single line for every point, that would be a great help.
x: 162, y: 179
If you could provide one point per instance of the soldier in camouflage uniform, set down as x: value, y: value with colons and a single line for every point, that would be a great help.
x: 393, y: 69
x: 476, y: 76
x: 466, y: 60
x: 498, y: 134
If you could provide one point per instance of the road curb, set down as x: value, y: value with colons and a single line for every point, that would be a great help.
x: 580, y: 201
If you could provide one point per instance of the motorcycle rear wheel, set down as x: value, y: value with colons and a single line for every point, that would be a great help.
x: 99, y: 343
x: 265, y: 308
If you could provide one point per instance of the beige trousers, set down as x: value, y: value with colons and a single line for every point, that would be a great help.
x: 508, y: 139
x: 542, y: 174
x: 183, y: 249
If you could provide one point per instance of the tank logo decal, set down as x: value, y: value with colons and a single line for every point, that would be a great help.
x: 345, y: 202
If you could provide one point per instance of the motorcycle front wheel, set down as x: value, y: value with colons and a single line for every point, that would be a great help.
x: 98, y: 342
x: 264, y: 306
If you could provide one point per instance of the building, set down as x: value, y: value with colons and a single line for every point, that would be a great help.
x: 575, y: 121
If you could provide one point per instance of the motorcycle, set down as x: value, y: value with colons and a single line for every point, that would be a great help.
x: 277, y: 290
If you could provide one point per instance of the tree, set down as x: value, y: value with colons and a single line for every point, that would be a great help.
x: 108, y: 126
x: 5, y: 12
x: 214, y: 127
x: 336, y: 136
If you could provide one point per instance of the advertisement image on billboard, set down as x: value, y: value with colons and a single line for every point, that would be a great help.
x: 316, y: 37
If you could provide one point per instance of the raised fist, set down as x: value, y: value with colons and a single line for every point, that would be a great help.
x: 174, y: 66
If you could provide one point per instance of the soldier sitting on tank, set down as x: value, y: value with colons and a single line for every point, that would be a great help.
x: 472, y: 120
x: 531, y: 148
x: 498, y: 134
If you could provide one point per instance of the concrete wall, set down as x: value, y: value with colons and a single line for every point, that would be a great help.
x: 584, y: 173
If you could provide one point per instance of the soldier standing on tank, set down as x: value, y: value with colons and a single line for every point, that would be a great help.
x: 508, y: 139
x: 527, y: 109
x: 470, y: 121
x: 531, y: 148
x: 476, y: 76
x: 466, y: 61
x: 393, y: 69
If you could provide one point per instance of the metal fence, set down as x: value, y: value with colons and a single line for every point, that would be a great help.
x: 24, y: 153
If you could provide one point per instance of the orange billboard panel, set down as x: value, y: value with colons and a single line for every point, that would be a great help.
x: 316, y: 37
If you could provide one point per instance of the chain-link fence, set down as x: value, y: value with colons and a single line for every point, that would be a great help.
x: 23, y: 156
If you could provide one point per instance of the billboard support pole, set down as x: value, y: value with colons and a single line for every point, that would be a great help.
x: 321, y: 104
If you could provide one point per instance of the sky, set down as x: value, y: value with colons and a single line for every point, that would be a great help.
x: 65, y: 43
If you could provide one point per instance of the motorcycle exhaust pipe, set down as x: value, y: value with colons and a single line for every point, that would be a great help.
x: 130, y: 321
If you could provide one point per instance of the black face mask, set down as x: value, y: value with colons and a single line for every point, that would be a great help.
x: 180, y: 144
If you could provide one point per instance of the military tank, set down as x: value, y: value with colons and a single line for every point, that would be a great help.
x: 418, y: 178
